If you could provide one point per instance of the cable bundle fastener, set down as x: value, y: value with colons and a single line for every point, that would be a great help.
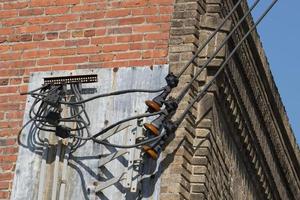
x: 63, y: 131
x: 53, y: 118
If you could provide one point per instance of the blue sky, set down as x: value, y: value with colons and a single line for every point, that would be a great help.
x: 280, y: 35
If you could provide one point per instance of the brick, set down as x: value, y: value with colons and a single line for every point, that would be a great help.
x: 20, y: 38
x: 80, y: 25
x: 6, y: 31
x: 94, y: 15
x: 118, y: 13
x: 84, y: 8
x: 79, y: 42
x: 5, y: 14
x: 62, y: 52
x: 4, y: 185
x: 15, y: 5
x: 147, y: 28
x: 15, y: 81
x: 130, y: 4
x: 13, y: 22
x: 158, y: 19
x: 126, y: 56
x: 4, y: 194
x: 132, y: 20
x: 115, y: 64
x: 10, y: 56
x: 52, y: 36
x: 49, y: 61
x: 12, y: 114
x: 157, y: 36
x: 23, y: 46
x: 36, y: 69
x: 54, y: 27
x: 39, y: 20
x: 3, y: 39
x: 88, y: 50
x: 141, y: 46
x: 56, y: 10
x: 113, y: 48
x: 38, y: 37
x: 63, y: 67
x: 103, y: 40
x: 141, y: 63
x: 151, y: 11
x: 8, y: 167
x: 162, y: 2
x: 78, y: 33
x: 100, y: 32
x: 4, y: 82
x: 101, y: 58
x: 130, y: 38
x: 66, y: 2
x: 89, y: 33
x: 51, y: 44
x: 72, y: 60
x: 28, y: 29
x: 137, y: 12
x: 121, y: 30
x: 35, y: 54
x: 66, y: 18
x: 42, y: 3
x: 31, y: 12
x: 4, y: 48
x: 7, y: 158
x: 64, y: 35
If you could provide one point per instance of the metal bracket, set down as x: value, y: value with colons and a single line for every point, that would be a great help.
x: 134, y: 159
x: 114, y: 131
x: 110, y: 182
x: 132, y: 172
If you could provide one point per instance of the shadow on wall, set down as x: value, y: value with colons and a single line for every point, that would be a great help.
x: 151, y: 173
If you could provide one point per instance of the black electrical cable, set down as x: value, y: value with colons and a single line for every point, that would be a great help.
x: 92, y: 137
x: 37, y: 89
x: 77, y: 92
x: 114, y: 94
x: 203, y: 91
x: 124, y: 146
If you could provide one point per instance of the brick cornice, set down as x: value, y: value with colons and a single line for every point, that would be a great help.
x: 269, y: 110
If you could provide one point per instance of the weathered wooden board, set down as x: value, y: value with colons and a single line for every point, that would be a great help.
x: 82, y: 172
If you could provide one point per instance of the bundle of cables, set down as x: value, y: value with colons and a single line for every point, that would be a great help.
x: 61, y: 109
x: 47, y: 113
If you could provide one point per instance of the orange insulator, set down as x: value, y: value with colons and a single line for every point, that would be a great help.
x: 151, y: 152
x: 153, y: 106
x: 153, y: 129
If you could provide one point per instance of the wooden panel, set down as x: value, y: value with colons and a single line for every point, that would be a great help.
x: 83, y: 171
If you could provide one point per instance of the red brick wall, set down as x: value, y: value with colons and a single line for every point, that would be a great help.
x: 43, y: 35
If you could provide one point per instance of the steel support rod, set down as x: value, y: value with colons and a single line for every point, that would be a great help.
x: 187, y: 87
x: 209, y: 39
x: 203, y: 91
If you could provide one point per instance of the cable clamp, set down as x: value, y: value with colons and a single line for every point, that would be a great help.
x: 172, y: 80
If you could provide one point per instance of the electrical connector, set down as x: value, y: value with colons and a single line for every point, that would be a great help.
x: 53, y: 118
x: 63, y: 131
